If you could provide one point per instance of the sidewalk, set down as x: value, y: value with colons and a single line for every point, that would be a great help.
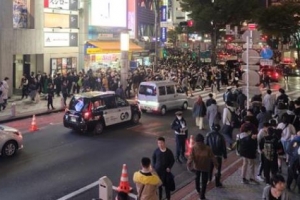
x: 232, y: 188
x: 26, y: 108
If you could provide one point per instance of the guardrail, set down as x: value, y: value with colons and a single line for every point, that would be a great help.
x: 106, y: 190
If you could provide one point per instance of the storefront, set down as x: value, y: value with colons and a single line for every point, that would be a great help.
x: 104, y: 54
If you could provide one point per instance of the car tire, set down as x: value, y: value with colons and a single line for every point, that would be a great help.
x: 185, y: 106
x: 143, y: 110
x: 9, y: 149
x: 163, y: 110
x: 98, y: 129
x: 135, y: 119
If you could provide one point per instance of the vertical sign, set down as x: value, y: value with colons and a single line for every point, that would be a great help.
x: 73, y: 21
x: 132, y: 18
x: 163, y: 14
x: 163, y: 34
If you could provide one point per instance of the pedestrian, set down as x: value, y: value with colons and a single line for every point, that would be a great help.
x: 281, y: 103
x: 288, y: 130
x: 147, y: 181
x: 199, y: 112
x: 269, y: 102
x: 163, y: 161
x: 261, y: 134
x: 64, y: 91
x: 269, y: 147
x: 213, y: 115
x: 200, y: 161
x: 180, y: 128
x: 210, y: 100
x: 294, y: 162
x: 247, y: 150
x: 1, y: 98
x: 217, y: 144
x: 276, y: 190
x: 5, y: 88
x: 227, y: 128
x: 24, y: 86
x: 50, y: 96
x: 120, y: 92
x: 263, y: 117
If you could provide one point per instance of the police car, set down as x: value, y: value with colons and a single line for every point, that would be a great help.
x: 93, y: 111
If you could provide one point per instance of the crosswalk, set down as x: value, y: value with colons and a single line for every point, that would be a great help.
x: 292, y: 94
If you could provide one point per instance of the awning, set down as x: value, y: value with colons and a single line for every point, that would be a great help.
x: 111, y: 47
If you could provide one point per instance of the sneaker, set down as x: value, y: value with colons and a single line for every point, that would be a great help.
x: 259, y: 178
x: 253, y: 181
x: 245, y: 181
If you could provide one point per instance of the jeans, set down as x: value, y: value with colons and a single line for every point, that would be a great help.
x: 261, y: 164
x: 248, y: 163
x: 227, y: 133
x: 204, y: 179
x: 218, y: 174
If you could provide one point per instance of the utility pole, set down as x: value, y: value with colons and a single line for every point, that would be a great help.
x: 156, y: 27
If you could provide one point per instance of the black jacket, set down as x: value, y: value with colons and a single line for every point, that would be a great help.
x: 176, y: 126
x: 217, y: 143
x: 248, y: 146
x: 162, y: 160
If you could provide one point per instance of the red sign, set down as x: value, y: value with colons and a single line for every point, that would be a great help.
x: 251, y: 26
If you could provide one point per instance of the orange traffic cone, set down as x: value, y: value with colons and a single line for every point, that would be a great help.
x: 124, y: 183
x: 33, y: 124
x: 189, y: 145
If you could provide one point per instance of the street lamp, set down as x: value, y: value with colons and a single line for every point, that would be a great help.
x: 124, y: 47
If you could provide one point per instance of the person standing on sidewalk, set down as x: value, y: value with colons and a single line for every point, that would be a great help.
x: 179, y: 126
x: 261, y: 134
x: 227, y: 128
x: 200, y: 161
x: 5, y: 89
x: 50, y: 96
x: 247, y: 150
x: 146, y: 181
x: 217, y: 143
x: 64, y: 91
x: 199, y: 112
x: 163, y: 161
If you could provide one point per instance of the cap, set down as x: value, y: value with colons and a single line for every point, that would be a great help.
x: 178, y: 113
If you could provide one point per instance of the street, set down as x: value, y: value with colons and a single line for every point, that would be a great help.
x: 56, y: 161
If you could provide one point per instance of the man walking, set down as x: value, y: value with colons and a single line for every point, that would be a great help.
x: 163, y: 161
x: 146, y: 181
x: 217, y: 144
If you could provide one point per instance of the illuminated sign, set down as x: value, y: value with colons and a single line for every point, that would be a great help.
x: 163, y: 15
x: 163, y: 34
x: 60, y: 39
x: 108, y: 13
x: 132, y: 18
x: 61, y: 4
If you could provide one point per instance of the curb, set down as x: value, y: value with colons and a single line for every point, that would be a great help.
x: 26, y: 116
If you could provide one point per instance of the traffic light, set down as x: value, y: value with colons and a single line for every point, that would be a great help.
x: 264, y: 38
x: 188, y: 23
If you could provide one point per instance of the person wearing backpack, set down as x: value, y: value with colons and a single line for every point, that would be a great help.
x: 268, y: 147
x: 281, y: 103
x: 297, y: 115
x: 227, y: 128
x: 263, y: 117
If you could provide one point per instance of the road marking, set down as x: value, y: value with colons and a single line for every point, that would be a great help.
x: 88, y: 187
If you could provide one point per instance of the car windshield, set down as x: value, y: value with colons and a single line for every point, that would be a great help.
x: 147, y: 90
x: 78, y: 104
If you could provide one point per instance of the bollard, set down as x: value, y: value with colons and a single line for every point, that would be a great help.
x: 13, y: 109
x: 62, y: 103
x: 105, y: 188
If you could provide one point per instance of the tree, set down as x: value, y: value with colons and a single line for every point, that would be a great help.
x: 173, y: 35
x: 212, y: 15
x: 282, y: 21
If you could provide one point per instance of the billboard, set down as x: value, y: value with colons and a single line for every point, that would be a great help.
x: 108, y: 13
x: 61, y: 39
x: 52, y: 20
x: 61, y: 4
x: 132, y: 18
x: 20, y: 13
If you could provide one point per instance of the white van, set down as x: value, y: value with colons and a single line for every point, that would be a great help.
x: 160, y: 96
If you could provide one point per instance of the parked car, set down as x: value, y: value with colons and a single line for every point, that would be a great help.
x: 275, y: 74
x: 93, y: 111
x: 11, y: 140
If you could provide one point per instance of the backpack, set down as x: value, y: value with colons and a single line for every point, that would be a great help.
x: 235, y: 122
x: 269, y: 149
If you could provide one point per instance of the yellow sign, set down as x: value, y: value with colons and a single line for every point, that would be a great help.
x: 56, y: 20
x: 100, y: 51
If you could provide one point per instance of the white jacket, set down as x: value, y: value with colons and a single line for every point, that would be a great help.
x: 226, y: 119
x: 269, y: 102
x: 4, y: 89
x: 287, y: 131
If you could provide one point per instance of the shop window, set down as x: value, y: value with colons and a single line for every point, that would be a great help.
x: 162, y: 90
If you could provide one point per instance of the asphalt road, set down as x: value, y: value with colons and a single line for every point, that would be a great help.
x: 56, y: 161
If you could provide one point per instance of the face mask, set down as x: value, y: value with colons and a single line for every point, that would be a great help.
x: 179, y: 117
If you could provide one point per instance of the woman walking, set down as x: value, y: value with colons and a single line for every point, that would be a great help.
x: 199, y: 112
